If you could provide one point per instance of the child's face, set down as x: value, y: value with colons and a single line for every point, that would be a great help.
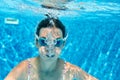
x: 50, y: 43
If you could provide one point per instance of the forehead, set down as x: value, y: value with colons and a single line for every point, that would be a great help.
x: 56, y: 32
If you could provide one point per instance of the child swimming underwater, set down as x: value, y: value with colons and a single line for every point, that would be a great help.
x: 50, y: 40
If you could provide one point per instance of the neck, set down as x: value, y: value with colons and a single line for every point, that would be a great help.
x: 47, y: 65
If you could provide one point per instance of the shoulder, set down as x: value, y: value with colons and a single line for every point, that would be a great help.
x: 78, y: 73
x: 20, y: 71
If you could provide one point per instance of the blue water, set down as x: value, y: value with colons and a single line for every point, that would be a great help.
x: 93, y: 42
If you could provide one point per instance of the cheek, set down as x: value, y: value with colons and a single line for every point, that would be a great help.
x: 42, y: 50
x: 58, y: 50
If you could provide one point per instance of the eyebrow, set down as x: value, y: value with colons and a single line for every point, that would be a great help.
x: 59, y: 38
x: 43, y: 37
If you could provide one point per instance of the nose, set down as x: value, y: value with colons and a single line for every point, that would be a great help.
x: 50, y: 51
x: 50, y: 47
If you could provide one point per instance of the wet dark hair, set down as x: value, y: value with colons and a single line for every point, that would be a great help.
x: 46, y: 23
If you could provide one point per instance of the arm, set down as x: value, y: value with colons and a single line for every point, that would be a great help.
x: 77, y: 73
x: 83, y: 75
x: 18, y: 72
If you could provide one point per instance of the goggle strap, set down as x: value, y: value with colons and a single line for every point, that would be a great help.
x: 65, y: 37
x: 36, y: 36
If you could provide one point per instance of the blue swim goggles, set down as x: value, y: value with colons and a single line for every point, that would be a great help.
x: 42, y: 41
x: 57, y: 42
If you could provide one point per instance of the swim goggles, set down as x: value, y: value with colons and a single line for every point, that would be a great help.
x: 57, y: 42
x: 42, y: 41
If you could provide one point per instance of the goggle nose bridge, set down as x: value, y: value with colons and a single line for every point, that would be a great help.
x: 50, y: 42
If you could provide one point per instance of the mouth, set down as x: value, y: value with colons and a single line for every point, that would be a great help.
x: 50, y: 56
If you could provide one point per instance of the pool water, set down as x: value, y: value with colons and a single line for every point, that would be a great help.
x: 93, y: 41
